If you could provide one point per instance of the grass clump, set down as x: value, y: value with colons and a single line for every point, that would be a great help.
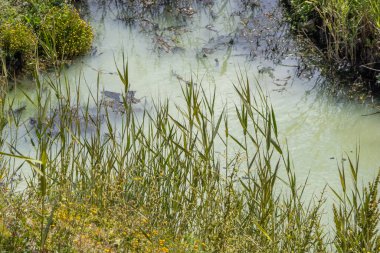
x: 54, y: 29
x: 347, y: 30
x: 357, y: 214
x: 169, y: 179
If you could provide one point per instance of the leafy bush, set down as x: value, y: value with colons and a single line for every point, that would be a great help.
x: 66, y: 32
x: 6, y: 11
x: 53, y: 25
x: 17, y: 44
x: 35, y: 10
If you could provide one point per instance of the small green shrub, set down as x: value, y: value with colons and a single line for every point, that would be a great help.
x: 65, y: 31
x: 7, y: 11
x: 52, y: 26
x: 17, y: 44
x: 35, y: 10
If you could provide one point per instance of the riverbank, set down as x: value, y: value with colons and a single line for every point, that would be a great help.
x: 347, y: 33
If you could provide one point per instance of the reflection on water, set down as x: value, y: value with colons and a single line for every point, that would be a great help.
x: 212, y: 49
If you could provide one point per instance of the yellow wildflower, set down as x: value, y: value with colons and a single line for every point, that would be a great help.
x: 164, y: 249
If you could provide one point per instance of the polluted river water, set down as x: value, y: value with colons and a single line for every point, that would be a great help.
x: 211, y: 44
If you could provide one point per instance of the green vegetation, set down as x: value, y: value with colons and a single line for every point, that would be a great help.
x: 54, y: 29
x: 18, y: 44
x: 172, y: 179
x: 168, y: 179
x: 348, y: 31
x: 67, y: 32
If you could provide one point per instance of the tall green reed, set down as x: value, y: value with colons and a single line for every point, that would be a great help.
x: 179, y: 166
x: 356, y: 213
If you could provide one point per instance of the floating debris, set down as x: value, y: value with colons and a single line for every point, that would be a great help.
x: 266, y: 70
x: 210, y: 28
x: 162, y: 44
x: 167, y: 45
x: 207, y: 51
x: 147, y: 24
x: 113, y: 95
x: 181, y: 79
x: 187, y: 11
x: 217, y: 43
x: 82, y: 117
x: 115, y: 100
x: 75, y: 117
x: 117, y: 97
